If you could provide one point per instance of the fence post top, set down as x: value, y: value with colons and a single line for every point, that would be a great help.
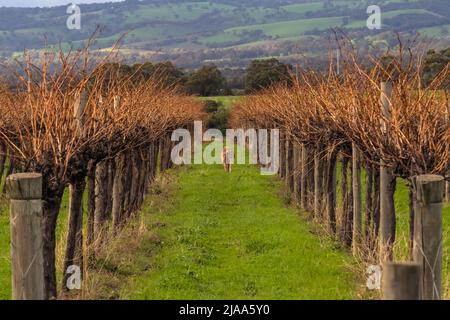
x: 429, y: 178
x: 386, y: 85
x: 430, y: 188
x: 24, y: 186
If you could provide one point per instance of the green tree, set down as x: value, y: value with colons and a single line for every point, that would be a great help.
x: 434, y: 63
x: 217, y: 115
x: 265, y: 73
x: 207, y: 81
x: 166, y: 73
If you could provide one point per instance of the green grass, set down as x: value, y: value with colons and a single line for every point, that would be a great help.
x: 312, y: 6
x: 293, y: 28
x: 176, y: 13
x: 219, y: 38
x: 230, y: 236
x: 436, y: 31
x: 5, y: 261
x: 227, y: 101
x: 303, y: 8
x: 389, y: 15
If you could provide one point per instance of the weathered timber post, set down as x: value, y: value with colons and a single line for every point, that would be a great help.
x: 331, y: 192
x: 323, y: 168
x: 25, y: 192
x: 401, y: 281
x: 286, y: 160
x: 310, y: 194
x: 296, y: 172
x: 427, y: 250
x: 135, y: 170
x: 317, y: 184
x: 345, y: 233
x: 167, y: 150
x: 357, y: 203
x: 290, y: 164
x: 369, y: 219
x: 376, y: 202
x: 118, y: 187
x: 111, y: 172
x: 126, y: 206
x: 143, y: 176
x: 161, y: 155
x: 447, y: 188
x: 153, y: 161
x: 303, y: 177
x: 90, y: 225
x: 387, y: 209
x: 101, y: 188
x: 74, y: 245
x: 118, y: 191
x: 447, y: 182
x: 282, y: 155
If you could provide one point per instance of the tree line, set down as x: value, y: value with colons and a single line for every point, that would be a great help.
x: 210, y: 80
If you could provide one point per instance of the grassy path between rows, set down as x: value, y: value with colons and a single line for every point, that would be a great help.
x: 230, y: 236
x: 209, y: 235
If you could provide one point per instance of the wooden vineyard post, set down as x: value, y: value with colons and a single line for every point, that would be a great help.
x: 289, y: 164
x: 303, y: 178
x: 447, y: 174
x: 78, y: 111
x: 118, y: 182
x: 401, y: 281
x: 387, y: 213
x: 25, y: 192
x: 356, y: 192
x: 357, y: 203
x: 317, y: 184
x: 292, y: 164
x: 331, y: 193
x: 296, y: 172
x: 427, y: 250
x: 447, y: 188
x: 286, y: 160
x: 74, y: 245
x: 282, y: 155
x: 101, y: 216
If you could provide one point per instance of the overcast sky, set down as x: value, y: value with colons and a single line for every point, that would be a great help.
x: 46, y: 3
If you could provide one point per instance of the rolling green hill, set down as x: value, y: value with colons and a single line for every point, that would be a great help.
x: 153, y: 25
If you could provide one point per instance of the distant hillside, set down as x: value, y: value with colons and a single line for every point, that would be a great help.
x: 155, y: 25
x: 46, y: 3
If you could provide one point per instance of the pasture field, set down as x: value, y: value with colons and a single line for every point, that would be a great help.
x: 435, y: 31
x: 296, y: 28
x: 227, y: 101
x: 196, y: 24
x: 288, y: 29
